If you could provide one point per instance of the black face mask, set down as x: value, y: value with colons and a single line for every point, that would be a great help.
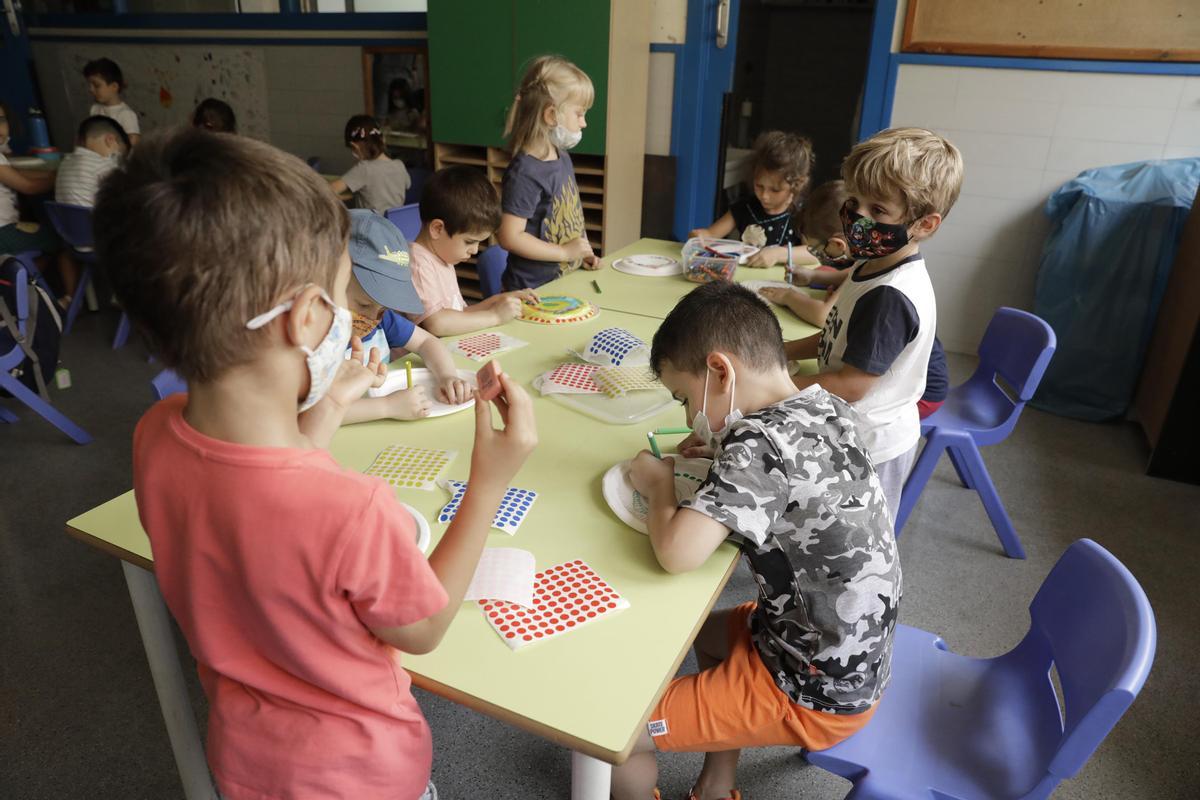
x: 868, y: 238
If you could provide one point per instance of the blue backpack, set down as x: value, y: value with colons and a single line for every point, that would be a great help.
x: 43, y: 327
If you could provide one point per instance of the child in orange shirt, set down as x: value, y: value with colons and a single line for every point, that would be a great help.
x: 297, y: 582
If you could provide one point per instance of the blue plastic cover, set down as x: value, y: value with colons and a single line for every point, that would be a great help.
x: 1113, y: 238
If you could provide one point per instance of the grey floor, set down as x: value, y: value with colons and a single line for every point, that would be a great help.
x: 79, y: 719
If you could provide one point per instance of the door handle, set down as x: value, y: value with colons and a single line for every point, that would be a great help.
x: 723, y: 23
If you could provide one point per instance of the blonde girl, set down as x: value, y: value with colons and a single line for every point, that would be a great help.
x: 542, y: 227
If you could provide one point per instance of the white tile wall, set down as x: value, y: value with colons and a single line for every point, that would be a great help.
x: 1023, y: 133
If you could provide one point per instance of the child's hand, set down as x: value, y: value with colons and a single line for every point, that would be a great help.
x: 528, y: 296
x: 693, y: 447
x: 506, y: 306
x: 802, y: 276
x: 775, y: 294
x: 767, y: 257
x: 577, y: 249
x: 409, y: 404
x: 652, y: 477
x: 699, y: 233
x: 836, y: 247
x: 453, y: 390
x: 354, y: 378
x: 592, y: 262
x: 498, y: 454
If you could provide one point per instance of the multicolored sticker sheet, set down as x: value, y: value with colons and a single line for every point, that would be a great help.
x: 565, y: 598
x: 514, y: 506
x: 482, y: 346
x: 619, y: 381
x: 411, y: 467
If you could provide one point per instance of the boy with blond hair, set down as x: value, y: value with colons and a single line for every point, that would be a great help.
x: 874, y: 348
x: 296, y: 582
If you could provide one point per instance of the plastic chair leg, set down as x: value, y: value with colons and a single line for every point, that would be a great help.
x: 964, y: 475
x: 81, y: 290
x: 47, y: 411
x: 991, y: 500
x: 923, y: 468
x: 8, y: 416
x: 122, y: 332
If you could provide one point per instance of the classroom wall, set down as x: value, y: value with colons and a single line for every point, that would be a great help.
x: 1023, y: 133
x: 310, y: 91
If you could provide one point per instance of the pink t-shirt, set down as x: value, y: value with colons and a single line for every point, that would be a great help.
x: 435, y: 281
x: 274, y: 562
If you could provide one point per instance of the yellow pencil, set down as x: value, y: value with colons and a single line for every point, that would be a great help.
x: 408, y: 374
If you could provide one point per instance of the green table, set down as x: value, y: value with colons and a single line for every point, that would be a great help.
x: 624, y: 662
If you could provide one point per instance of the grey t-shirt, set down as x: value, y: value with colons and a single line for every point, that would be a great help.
x: 378, y: 184
x: 794, y: 481
x: 545, y: 194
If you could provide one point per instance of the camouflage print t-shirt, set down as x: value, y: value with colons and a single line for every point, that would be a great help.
x: 795, y: 482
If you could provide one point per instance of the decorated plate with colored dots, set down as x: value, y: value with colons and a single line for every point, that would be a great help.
x: 558, y: 310
x: 631, y: 508
x: 649, y: 266
x: 565, y: 598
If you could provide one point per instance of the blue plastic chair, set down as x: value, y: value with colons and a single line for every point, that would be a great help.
x: 951, y: 727
x: 1016, y: 349
x: 167, y: 383
x: 74, y: 226
x: 418, y: 175
x: 490, y: 265
x: 407, y: 219
x: 11, y: 355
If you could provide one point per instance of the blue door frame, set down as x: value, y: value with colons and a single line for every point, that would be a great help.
x: 703, y: 75
x: 16, y: 65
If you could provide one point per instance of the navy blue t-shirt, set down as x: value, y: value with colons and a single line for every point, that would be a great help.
x: 543, y: 193
x: 779, y: 228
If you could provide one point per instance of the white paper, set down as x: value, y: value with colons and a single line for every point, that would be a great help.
x: 504, y: 573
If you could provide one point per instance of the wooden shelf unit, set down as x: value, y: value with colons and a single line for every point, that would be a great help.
x: 589, y: 175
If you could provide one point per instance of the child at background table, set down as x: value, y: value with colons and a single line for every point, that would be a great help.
x: 805, y: 665
x: 459, y: 211
x: 379, y: 293
x: 781, y: 171
x: 874, y: 348
x: 377, y: 181
x: 17, y: 236
x: 542, y: 226
x: 106, y: 83
x: 214, y: 115
x: 296, y: 582
x: 100, y: 144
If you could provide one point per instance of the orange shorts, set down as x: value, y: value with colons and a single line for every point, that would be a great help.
x: 736, y: 704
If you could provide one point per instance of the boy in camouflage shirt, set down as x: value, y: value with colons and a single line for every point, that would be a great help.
x: 806, y: 664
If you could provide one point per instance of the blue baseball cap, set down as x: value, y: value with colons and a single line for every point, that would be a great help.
x: 380, y: 257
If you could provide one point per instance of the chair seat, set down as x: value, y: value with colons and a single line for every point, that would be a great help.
x: 974, y: 408
x: 949, y: 726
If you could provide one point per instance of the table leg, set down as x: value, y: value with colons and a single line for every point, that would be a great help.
x: 591, y: 779
x: 154, y: 624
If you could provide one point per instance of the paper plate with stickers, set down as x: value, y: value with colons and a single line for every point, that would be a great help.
x: 631, y: 508
x: 557, y: 310
x: 649, y: 266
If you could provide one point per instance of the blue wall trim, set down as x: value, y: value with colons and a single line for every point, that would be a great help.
x: 421, y: 43
x: 1057, y: 64
x: 274, y: 22
x: 879, y: 83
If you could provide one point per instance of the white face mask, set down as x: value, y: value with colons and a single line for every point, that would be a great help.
x: 700, y: 424
x: 324, y: 360
x: 564, y: 139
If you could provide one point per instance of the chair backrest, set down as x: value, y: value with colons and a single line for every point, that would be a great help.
x: 1017, y: 346
x: 490, y: 265
x: 418, y: 175
x: 407, y: 219
x: 167, y: 383
x: 1094, y: 621
x: 73, y: 223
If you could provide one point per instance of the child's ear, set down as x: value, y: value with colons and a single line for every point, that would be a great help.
x: 721, y: 368
x: 305, y: 324
x: 927, y: 225
x: 437, y: 229
x: 550, y: 116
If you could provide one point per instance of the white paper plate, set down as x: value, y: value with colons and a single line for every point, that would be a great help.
x: 397, y: 380
x: 651, y: 266
x: 758, y: 286
x: 619, y: 493
x: 423, y: 533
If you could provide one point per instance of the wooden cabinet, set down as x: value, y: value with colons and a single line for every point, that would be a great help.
x: 478, y: 51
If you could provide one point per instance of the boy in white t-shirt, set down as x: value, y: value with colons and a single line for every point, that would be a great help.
x: 459, y: 210
x: 105, y: 82
x: 874, y: 349
x: 99, y: 147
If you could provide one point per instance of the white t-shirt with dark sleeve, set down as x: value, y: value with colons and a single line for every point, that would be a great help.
x: 122, y: 113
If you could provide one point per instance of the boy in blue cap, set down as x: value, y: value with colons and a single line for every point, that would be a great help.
x: 380, y: 292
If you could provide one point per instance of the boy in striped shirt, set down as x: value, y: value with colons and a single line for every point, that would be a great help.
x: 99, y: 147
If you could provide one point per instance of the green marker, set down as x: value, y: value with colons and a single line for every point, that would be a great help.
x: 662, y: 432
x: 596, y: 286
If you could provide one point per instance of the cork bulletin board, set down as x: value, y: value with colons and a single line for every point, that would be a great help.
x: 1146, y: 30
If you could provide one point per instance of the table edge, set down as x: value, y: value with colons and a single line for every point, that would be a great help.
x: 109, y: 548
